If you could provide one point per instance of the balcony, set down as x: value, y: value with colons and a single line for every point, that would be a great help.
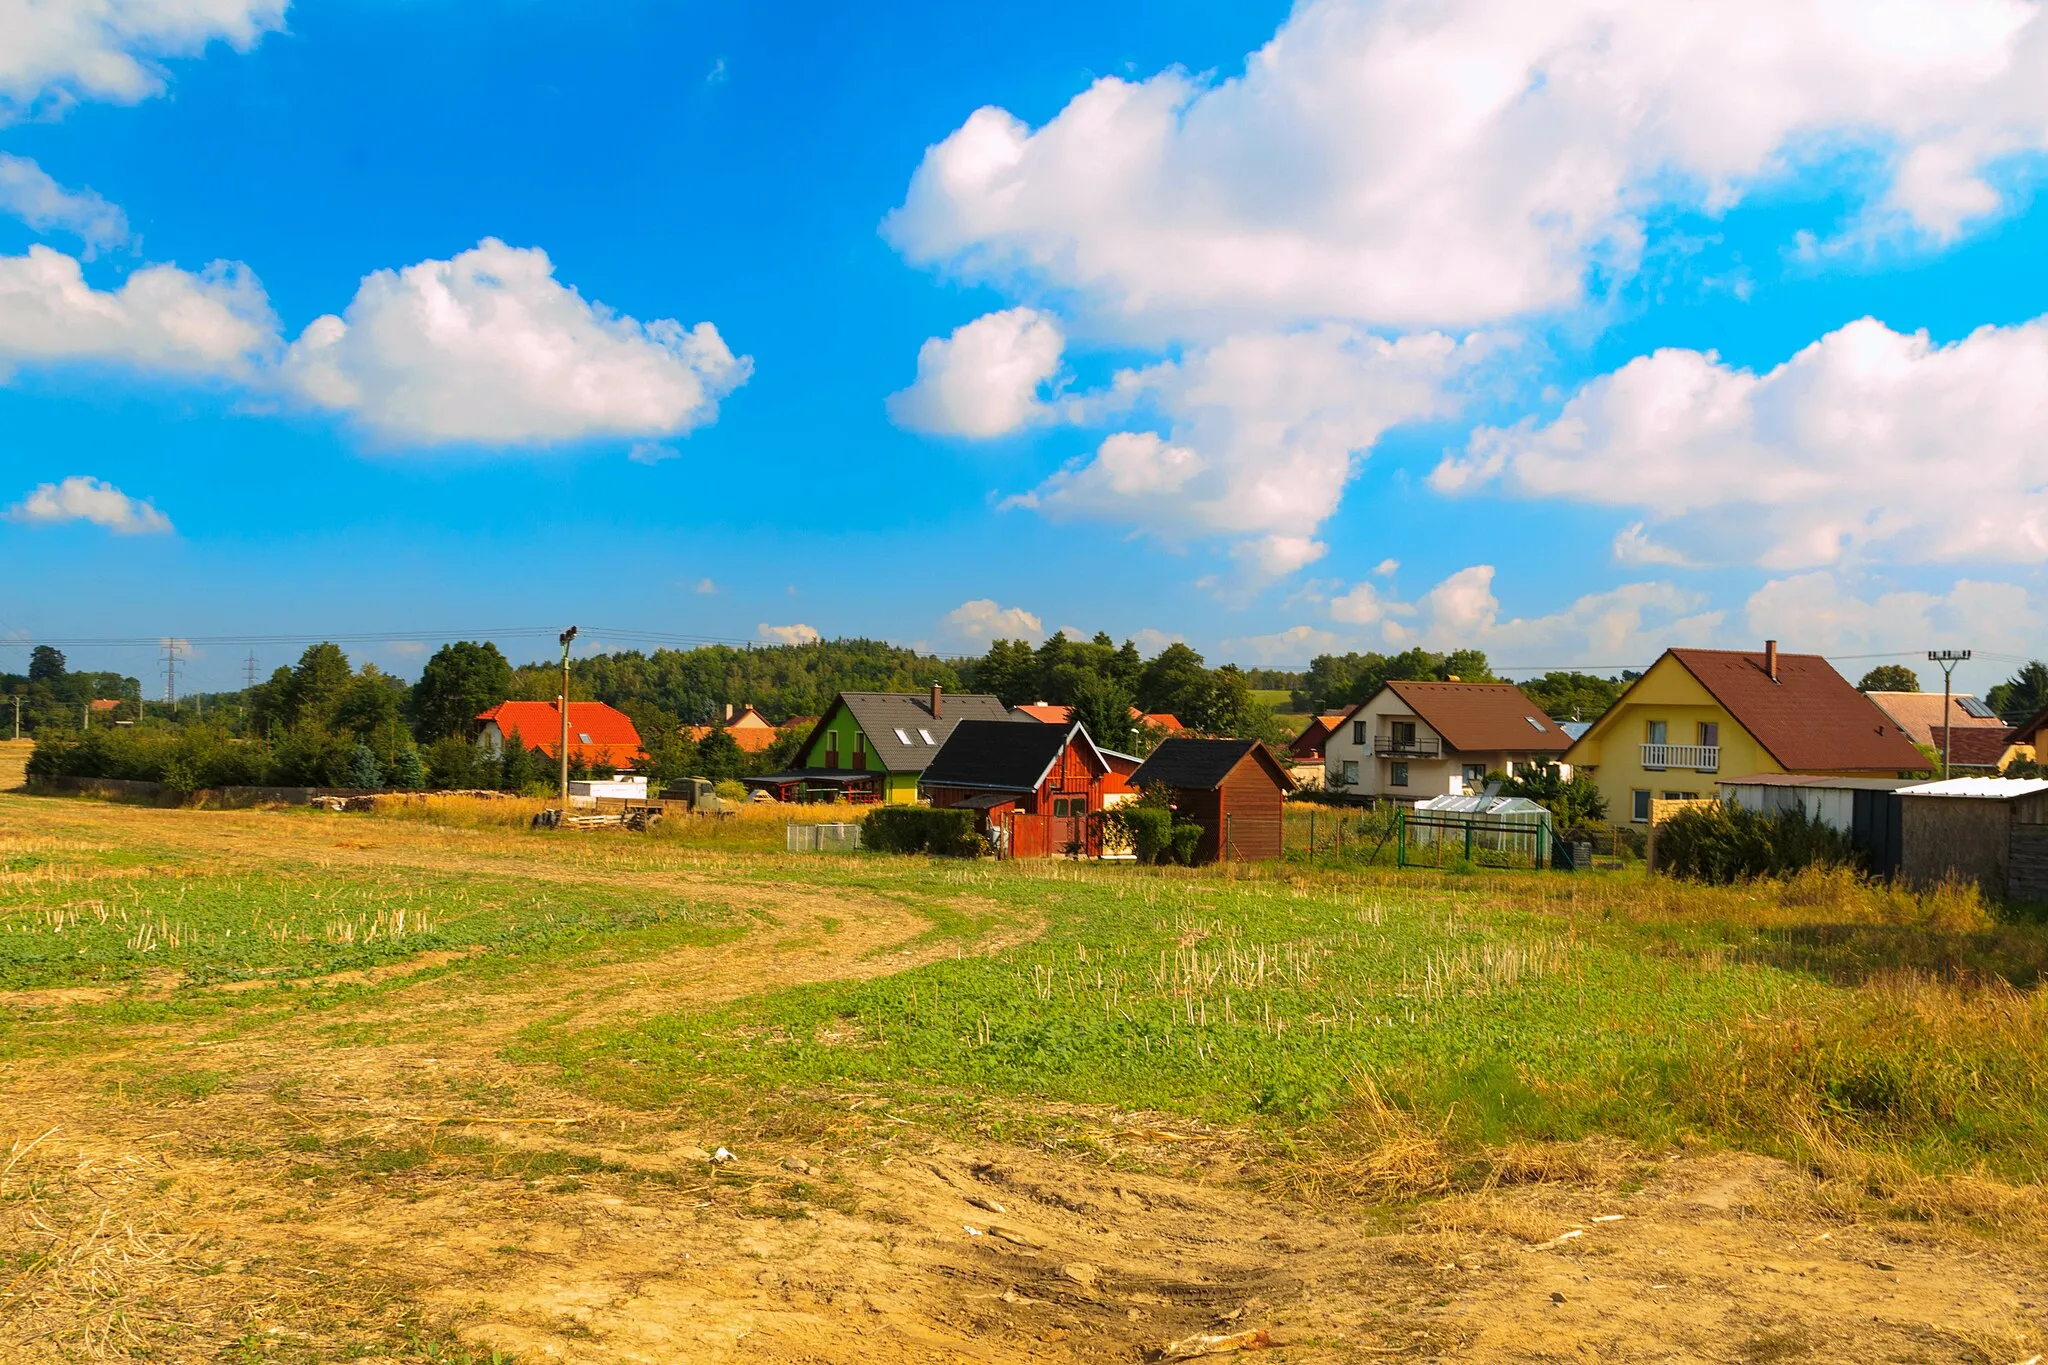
x: 1701, y: 758
x: 1391, y: 746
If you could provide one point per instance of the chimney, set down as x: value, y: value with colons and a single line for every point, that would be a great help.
x: 1771, y: 659
x: 728, y: 713
x: 937, y: 694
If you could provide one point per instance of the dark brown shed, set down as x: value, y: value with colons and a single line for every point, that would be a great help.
x: 1233, y: 788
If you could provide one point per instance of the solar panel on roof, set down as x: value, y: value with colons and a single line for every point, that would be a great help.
x: 1972, y: 707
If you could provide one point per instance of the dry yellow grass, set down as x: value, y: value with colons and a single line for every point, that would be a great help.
x: 14, y: 755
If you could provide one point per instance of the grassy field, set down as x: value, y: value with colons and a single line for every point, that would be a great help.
x: 357, y: 1025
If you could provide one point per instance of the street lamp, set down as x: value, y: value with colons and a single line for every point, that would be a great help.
x: 1947, y: 659
x: 568, y: 637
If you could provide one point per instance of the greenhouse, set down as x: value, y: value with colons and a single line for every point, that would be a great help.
x: 1497, y: 831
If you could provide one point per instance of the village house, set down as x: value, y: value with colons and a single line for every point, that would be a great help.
x: 1305, y: 756
x: 1920, y: 715
x: 874, y: 746
x: 1032, y: 787
x: 751, y: 730
x: 600, y: 736
x: 1049, y: 713
x: 1699, y: 717
x: 1233, y: 788
x: 1410, y: 741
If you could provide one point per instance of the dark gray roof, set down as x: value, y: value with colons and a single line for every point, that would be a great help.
x: 1198, y: 764
x: 881, y: 715
x: 1001, y: 755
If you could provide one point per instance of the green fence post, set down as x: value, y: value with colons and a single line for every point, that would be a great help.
x: 1400, y: 838
x: 1468, y: 838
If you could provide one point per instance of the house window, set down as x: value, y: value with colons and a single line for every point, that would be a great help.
x: 1475, y: 774
x: 1403, y: 732
x: 831, y: 748
x: 902, y: 736
x: 1678, y: 796
x: 860, y: 751
x: 1659, y: 733
x: 926, y: 735
x: 1061, y: 807
x: 1639, y: 806
x: 1350, y: 772
x: 1358, y: 732
x: 1710, y: 734
x: 1400, y: 776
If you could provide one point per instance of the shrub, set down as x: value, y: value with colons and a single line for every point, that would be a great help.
x: 1724, y: 843
x: 921, y: 829
x: 455, y: 764
x: 1185, y: 837
x: 1148, y: 830
x: 730, y: 789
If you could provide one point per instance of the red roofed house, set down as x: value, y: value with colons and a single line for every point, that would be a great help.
x: 1050, y: 714
x: 1702, y: 716
x: 600, y: 736
x: 751, y: 730
x: 1305, y: 755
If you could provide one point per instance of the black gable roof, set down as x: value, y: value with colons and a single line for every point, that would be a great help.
x: 1000, y: 755
x: 1196, y: 764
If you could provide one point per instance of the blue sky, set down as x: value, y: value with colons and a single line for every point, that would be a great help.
x: 1351, y: 326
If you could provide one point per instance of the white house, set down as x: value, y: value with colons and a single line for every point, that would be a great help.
x: 1411, y: 741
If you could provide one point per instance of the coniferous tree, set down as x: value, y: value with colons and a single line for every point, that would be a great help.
x: 409, y: 773
x: 363, y: 771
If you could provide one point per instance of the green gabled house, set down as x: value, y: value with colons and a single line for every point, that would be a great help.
x: 873, y: 746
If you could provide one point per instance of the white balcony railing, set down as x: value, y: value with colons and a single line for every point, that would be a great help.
x: 1705, y: 758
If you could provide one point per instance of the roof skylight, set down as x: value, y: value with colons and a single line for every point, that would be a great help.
x: 927, y: 736
x: 903, y: 735
x: 1537, y: 724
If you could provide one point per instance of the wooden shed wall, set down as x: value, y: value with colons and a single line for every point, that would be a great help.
x: 1942, y: 836
x: 1252, y: 805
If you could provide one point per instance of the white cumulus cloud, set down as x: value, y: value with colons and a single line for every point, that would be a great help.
x: 489, y: 347
x: 1453, y: 162
x: 1869, y: 443
x: 68, y: 50
x: 83, y: 498
x: 985, y: 379
x: 796, y: 634
x: 1263, y: 431
x: 217, y: 322
x: 1823, y: 612
x: 983, y: 620
x: 27, y: 192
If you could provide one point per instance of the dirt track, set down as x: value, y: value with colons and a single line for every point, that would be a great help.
x: 190, y: 1225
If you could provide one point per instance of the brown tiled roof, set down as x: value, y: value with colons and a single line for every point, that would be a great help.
x: 1810, y: 719
x: 1919, y: 714
x: 1976, y: 747
x: 1477, y: 718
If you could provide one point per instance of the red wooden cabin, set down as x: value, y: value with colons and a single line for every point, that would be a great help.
x: 1034, y: 786
x: 1233, y: 788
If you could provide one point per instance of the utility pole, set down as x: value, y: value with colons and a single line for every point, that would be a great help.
x: 568, y: 636
x: 16, y: 699
x: 1947, y: 659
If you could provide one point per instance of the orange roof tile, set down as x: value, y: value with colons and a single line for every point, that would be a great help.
x: 597, y: 733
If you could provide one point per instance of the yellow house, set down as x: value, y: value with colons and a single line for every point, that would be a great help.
x: 1702, y: 716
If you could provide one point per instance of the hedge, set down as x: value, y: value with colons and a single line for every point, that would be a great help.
x: 1724, y: 843
x: 921, y: 829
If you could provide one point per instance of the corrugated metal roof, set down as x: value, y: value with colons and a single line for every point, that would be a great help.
x: 1848, y: 784
x: 1479, y: 718
x: 1980, y: 788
